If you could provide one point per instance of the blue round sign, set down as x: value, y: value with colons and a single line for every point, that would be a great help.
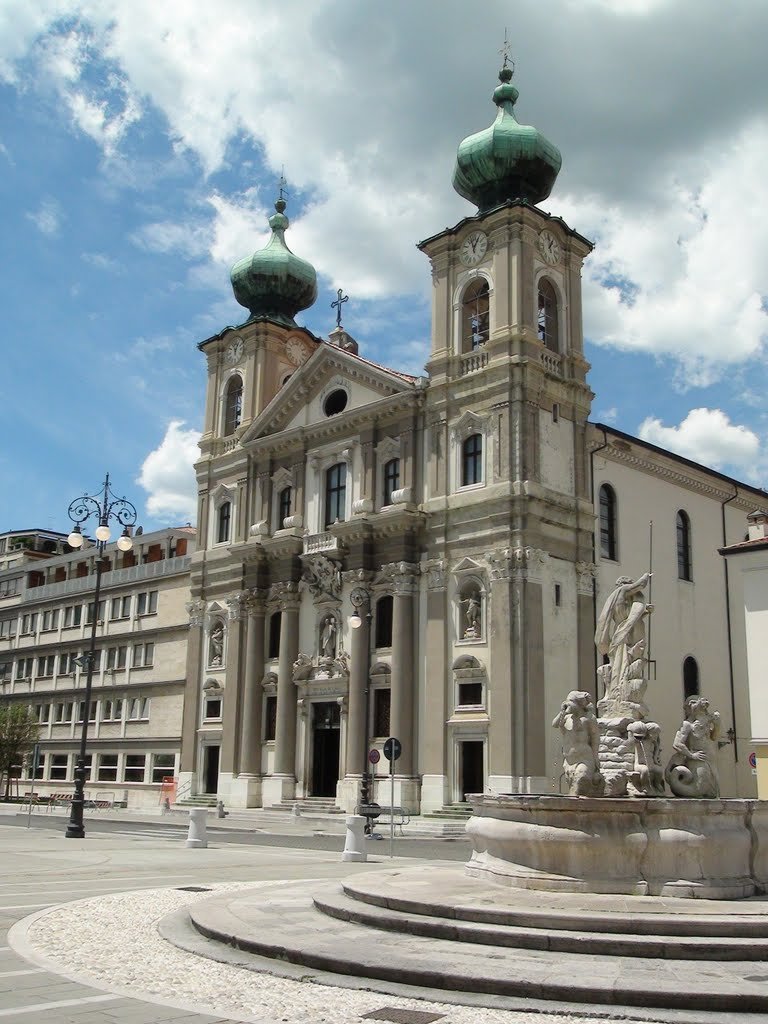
x: 753, y: 760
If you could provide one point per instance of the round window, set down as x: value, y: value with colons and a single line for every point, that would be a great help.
x: 336, y: 402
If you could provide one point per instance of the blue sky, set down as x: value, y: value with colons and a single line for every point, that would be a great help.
x: 139, y: 149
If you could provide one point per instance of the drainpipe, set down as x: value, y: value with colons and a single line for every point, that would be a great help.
x: 728, y: 623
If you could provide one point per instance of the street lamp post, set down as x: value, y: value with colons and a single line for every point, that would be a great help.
x: 105, y: 507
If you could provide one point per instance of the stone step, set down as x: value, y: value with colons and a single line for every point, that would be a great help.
x: 282, y: 924
x: 386, y: 895
x: 195, y: 801
x: 518, y: 936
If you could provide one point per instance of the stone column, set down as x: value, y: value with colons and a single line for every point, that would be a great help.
x: 192, y: 688
x: 282, y: 784
x: 501, y: 684
x: 585, y: 618
x: 359, y: 654
x: 246, y: 789
x: 403, y: 702
x: 432, y: 732
x: 233, y: 687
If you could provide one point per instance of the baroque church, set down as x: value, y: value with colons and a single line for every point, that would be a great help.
x: 424, y: 557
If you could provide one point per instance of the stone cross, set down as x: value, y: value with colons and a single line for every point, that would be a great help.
x: 341, y: 298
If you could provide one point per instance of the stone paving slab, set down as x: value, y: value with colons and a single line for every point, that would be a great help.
x: 283, y: 924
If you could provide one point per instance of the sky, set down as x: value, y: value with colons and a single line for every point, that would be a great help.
x: 140, y: 147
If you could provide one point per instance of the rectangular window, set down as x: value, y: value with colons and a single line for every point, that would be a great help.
x: 73, y: 615
x: 274, y: 636
x: 470, y: 694
x: 213, y: 708
x: 335, y: 493
x: 163, y: 767
x: 45, y: 666
x: 270, y: 718
x: 112, y: 711
x: 391, y: 479
x: 382, y: 699
x: 472, y: 460
x: 81, y: 710
x: 135, y: 768
x: 121, y: 608
x: 138, y: 709
x: 116, y: 657
x: 62, y: 714
x: 107, y: 769
x: 7, y: 629
x: 40, y: 770
x: 43, y: 712
x: 29, y: 623
x: 143, y: 655
x: 99, y: 617
x: 58, y: 767
x: 225, y: 517
x: 146, y: 603
x: 51, y: 619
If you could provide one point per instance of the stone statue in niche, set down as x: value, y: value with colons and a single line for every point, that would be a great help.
x: 216, y: 646
x: 578, y: 725
x: 472, y: 615
x: 328, y: 637
x: 692, y: 769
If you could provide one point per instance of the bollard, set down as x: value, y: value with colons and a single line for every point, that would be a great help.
x: 220, y: 812
x: 354, y: 844
x: 296, y: 811
x: 198, y: 823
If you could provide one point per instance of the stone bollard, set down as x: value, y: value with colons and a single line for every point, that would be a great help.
x: 296, y: 811
x: 354, y: 846
x: 198, y: 824
x: 220, y: 812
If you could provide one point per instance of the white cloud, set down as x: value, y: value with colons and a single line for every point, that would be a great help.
x: 709, y: 437
x: 101, y: 261
x: 47, y: 217
x: 168, y: 477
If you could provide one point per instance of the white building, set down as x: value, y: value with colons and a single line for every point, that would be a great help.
x: 139, y: 678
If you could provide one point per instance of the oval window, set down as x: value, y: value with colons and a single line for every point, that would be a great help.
x: 336, y: 402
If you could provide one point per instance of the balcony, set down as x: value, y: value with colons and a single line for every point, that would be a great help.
x: 115, y: 578
x: 321, y: 543
x: 552, y: 363
x: 471, y: 362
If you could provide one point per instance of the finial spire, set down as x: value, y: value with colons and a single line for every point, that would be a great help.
x: 504, y: 51
x: 282, y: 183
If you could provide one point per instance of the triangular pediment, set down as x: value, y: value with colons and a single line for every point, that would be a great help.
x: 331, y: 385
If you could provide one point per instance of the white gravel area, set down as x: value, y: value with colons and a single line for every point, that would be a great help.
x: 113, y: 941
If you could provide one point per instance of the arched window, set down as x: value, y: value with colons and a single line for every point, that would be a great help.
x: 608, y: 522
x: 284, y: 506
x: 224, y: 522
x: 683, y: 546
x: 384, y: 610
x: 233, y: 404
x: 335, y: 493
x: 474, y: 315
x: 472, y: 460
x: 391, y: 479
x: 690, y: 678
x: 547, y: 323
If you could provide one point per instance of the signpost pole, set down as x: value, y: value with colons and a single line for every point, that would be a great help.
x: 392, y: 808
x: 35, y: 760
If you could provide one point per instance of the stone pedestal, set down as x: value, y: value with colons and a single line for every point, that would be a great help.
x: 354, y: 845
x: 710, y: 849
x: 277, y: 788
x: 245, y: 791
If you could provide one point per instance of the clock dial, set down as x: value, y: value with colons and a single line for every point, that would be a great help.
x: 295, y: 351
x: 235, y: 351
x: 549, y: 248
x: 473, y: 248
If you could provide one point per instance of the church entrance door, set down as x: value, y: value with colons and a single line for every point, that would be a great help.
x: 472, y: 774
x: 210, y: 769
x: 326, y: 732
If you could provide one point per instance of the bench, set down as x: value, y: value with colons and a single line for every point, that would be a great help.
x: 398, y: 815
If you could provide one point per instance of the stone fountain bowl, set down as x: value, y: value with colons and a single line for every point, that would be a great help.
x: 706, y: 849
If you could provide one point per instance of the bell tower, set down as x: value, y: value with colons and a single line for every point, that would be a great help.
x: 508, y: 378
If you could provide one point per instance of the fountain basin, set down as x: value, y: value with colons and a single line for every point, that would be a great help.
x: 706, y: 849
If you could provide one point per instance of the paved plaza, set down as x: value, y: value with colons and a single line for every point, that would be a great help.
x: 83, y: 925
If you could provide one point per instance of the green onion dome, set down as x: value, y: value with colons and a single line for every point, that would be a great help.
x: 508, y: 160
x: 274, y: 284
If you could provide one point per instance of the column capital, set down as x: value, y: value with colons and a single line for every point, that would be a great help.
x: 237, y: 605
x: 256, y: 602
x: 360, y: 576
x: 196, y: 612
x: 285, y: 595
x: 586, y: 573
x: 402, y: 576
x: 434, y: 570
x: 516, y: 563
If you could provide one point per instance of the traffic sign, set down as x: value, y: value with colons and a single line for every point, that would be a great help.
x: 374, y: 756
x: 753, y: 760
x: 392, y: 749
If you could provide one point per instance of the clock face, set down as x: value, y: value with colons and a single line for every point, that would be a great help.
x: 235, y: 351
x: 549, y: 247
x: 473, y: 248
x: 295, y: 351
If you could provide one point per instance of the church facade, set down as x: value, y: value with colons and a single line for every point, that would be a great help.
x: 421, y: 557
